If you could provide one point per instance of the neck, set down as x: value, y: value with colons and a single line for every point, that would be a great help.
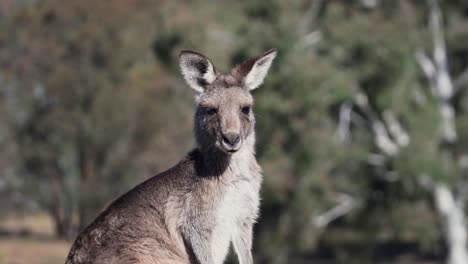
x: 215, y: 161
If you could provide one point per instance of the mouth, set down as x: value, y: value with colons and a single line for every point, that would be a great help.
x: 228, y: 148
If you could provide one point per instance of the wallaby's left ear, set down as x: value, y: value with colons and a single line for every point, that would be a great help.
x: 253, y: 71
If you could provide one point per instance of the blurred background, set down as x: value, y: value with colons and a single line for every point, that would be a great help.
x: 362, y: 123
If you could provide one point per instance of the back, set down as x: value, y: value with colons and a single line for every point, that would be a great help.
x: 137, y: 221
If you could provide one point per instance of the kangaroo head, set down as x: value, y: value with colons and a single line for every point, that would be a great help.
x: 224, y: 119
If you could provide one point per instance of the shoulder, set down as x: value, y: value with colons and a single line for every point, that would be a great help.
x: 185, y: 168
x: 161, y: 184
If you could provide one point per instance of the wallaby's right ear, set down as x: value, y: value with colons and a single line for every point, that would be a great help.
x: 198, y: 71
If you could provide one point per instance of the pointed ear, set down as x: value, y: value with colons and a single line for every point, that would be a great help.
x: 253, y: 71
x: 198, y: 71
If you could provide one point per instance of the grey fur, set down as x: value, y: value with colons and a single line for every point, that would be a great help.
x: 193, y: 211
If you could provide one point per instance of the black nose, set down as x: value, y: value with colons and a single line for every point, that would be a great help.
x: 231, y: 138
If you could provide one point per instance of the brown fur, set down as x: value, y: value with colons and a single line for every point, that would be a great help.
x: 191, y: 212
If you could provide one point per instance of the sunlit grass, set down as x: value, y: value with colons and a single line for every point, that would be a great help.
x: 30, y: 240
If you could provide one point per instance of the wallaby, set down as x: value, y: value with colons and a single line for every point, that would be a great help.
x: 193, y: 211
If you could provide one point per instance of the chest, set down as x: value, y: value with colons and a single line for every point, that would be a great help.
x: 239, y: 196
x: 237, y: 205
x: 239, y: 202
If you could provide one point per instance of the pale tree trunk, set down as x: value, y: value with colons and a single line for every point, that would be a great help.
x: 452, y: 217
x: 450, y: 207
x: 390, y: 137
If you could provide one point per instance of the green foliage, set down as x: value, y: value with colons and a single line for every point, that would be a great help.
x: 92, y: 93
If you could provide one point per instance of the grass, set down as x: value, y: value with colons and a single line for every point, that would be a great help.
x: 29, y: 240
x: 26, y: 250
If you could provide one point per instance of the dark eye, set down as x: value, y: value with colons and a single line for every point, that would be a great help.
x: 246, y: 110
x: 211, y: 110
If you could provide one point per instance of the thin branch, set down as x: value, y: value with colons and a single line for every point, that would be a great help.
x: 376, y: 159
x: 311, y: 16
x: 381, y: 137
x: 428, y: 68
x: 447, y: 113
x: 396, y: 129
x: 312, y: 38
x: 444, y: 82
x: 426, y: 182
x: 346, y: 203
x: 426, y: 64
x: 344, y: 122
x: 436, y: 25
x: 436, y: 71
